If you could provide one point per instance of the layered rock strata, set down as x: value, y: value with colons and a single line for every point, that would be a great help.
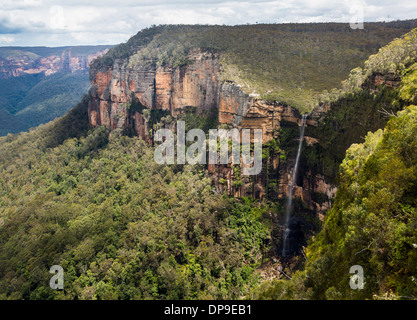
x: 120, y: 95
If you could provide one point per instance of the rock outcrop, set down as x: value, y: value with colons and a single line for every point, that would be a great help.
x: 120, y: 94
x: 171, y: 89
x: 155, y: 88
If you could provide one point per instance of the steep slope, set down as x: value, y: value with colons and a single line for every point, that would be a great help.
x: 373, y: 220
x: 31, y: 100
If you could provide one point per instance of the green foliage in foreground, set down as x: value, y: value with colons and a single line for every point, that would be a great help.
x: 373, y: 223
x: 290, y: 63
x: 121, y: 226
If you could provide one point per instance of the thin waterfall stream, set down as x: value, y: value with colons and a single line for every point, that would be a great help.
x: 288, y: 207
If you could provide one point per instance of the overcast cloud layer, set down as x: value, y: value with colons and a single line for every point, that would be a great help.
x: 77, y: 22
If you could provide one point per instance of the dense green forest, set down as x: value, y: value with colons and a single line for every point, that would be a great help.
x: 291, y: 63
x: 120, y: 225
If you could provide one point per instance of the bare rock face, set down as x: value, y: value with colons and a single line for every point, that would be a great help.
x: 155, y: 88
x: 378, y: 79
x: 171, y: 89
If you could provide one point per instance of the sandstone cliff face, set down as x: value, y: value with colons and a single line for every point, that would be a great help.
x: 155, y: 88
x: 197, y: 85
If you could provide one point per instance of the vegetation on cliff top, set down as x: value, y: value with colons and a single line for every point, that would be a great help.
x: 291, y: 63
x: 392, y: 61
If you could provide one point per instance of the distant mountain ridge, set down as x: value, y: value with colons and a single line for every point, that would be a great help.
x: 17, y: 61
x: 38, y: 84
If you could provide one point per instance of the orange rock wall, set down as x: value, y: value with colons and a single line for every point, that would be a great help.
x: 195, y: 85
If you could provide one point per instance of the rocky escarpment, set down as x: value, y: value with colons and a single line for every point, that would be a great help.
x: 197, y: 85
x: 124, y: 96
x: 154, y: 88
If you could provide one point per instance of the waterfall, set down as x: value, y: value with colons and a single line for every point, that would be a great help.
x: 288, y: 206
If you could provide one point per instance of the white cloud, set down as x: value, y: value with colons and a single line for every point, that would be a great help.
x: 6, y: 40
x: 20, y: 4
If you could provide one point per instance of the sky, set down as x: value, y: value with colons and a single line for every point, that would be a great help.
x: 90, y: 22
